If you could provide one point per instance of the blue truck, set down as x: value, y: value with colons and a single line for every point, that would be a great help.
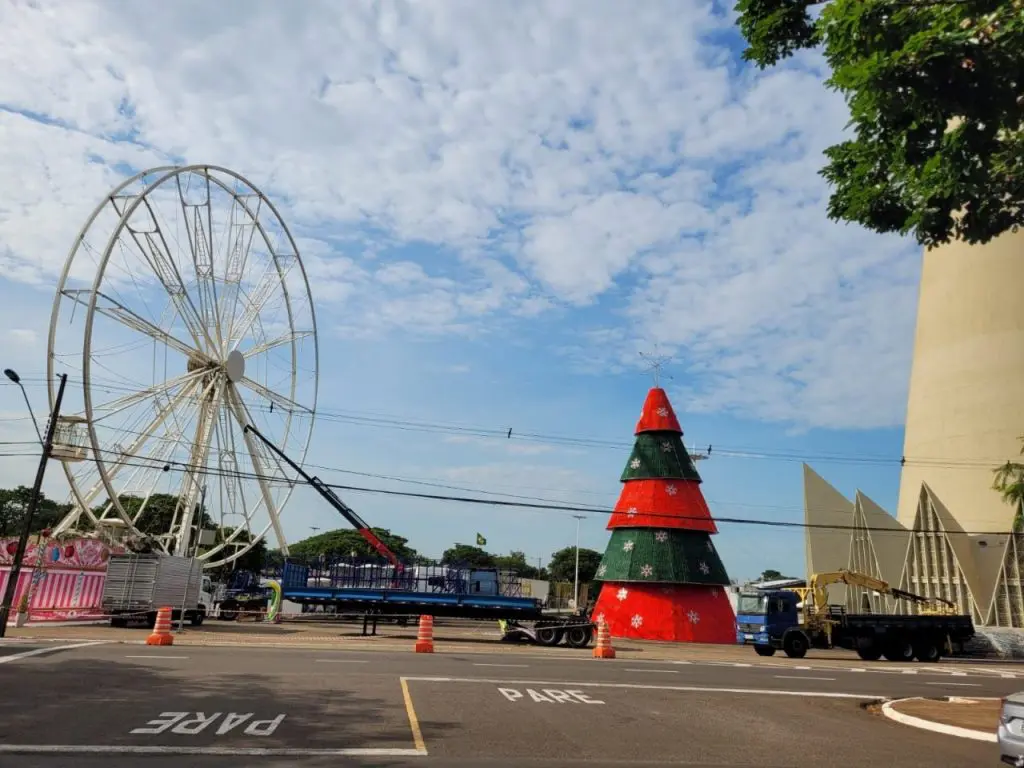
x: 798, y: 619
x: 394, y: 589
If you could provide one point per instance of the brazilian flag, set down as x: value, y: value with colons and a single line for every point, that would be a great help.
x: 481, y: 541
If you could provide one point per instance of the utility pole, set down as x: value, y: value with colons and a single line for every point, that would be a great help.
x: 33, y: 504
x: 576, y: 578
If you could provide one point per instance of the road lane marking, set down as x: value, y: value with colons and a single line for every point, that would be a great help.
x: 656, y: 671
x: 156, y: 656
x: 124, y: 749
x: 341, y: 661
x: 962, y: 685
x: 908, y: 671
x: 49, y: 649
x: 414, y: 723
x: 803, y: 667
x: 801, y: 677
x: 643, y: 687
x: 522, y: 666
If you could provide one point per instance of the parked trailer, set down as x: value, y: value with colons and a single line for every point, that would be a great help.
x: 137, y: 586
x: 379, y: 590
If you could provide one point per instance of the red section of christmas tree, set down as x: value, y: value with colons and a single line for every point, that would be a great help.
x: 662, y: 578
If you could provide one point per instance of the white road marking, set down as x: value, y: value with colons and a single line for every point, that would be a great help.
x: 638, y: 687
x: 124, y: 749
x: 341, y: 661
x: 157, y: 656
x: 802, y: 667
x: 962, y: 685
x: 739, y: 664
x: 857, y: 669
x: 48, y: 649
x: 665, y: 671
x: 908, y: 671
x: 521, y: 666
x: 801, y: 677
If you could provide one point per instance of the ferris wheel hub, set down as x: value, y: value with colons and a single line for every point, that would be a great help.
x: 234, y: 366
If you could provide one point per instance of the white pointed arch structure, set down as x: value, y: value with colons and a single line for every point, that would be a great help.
x: 183, y: 313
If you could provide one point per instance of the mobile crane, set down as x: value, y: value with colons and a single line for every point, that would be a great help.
x: 771, y: 620
x: 399, y: 590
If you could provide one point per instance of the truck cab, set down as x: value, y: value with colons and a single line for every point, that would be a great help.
x: 764, y: 617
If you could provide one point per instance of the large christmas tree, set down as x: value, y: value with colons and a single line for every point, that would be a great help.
x: 662, y: 578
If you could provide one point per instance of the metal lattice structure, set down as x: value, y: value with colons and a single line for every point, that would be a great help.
x: 183, y: 313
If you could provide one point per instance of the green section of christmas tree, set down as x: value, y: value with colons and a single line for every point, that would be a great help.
x: 661, y: 556
x: 660, y: 455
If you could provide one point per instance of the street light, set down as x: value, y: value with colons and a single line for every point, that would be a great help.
x: 16, y: 379
x: 576, y: 578
x: 33, y: 502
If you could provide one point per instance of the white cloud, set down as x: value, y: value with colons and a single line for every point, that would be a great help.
x: 22, y: 336
x: 449, y: 168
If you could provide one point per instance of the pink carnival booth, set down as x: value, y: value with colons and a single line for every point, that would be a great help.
x: 63, y: 579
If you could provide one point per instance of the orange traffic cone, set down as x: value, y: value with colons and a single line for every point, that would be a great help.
x: 603, y: 649
x: 425, y: 635
x: 161, y: 634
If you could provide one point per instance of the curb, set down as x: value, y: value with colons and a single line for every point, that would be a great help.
x: 930, y: 725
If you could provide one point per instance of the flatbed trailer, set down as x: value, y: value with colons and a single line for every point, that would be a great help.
x: 374, y: 591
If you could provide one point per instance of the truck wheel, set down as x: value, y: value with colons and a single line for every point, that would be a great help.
x: 228, y: 615
x: 196, y: 619
x: 926, y: 650
x: 578, y: 637
x: 764, y: 650
x: 119, y: 621
x: 795, y: 645
x: 870, y: 652
x: 899, y: 649
x: 549, y: 636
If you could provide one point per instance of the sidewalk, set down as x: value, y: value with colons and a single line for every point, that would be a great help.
x: 966, y: 718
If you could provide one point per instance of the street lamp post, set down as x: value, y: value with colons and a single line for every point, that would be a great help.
x: 576, y: 578
x: 16, y: 379
x: 33, y: 502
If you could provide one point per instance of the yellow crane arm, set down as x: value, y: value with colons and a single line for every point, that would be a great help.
x: 820, y: 581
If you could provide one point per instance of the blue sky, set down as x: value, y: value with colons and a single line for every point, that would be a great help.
x: 498, y: 207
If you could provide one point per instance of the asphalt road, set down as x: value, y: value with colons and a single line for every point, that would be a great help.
x: 114, y: 706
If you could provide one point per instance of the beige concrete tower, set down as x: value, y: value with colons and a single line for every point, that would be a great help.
x: 965, y: 412
x: 965, y: 408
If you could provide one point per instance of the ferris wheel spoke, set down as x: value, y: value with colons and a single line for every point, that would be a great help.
x: 266, y: 346
x: 268, y: 394
x: 242, y: 233
x: 116, y: 406
x: 196, y: 471
x: 200, y: 243
x: 155, y: 251
x: 118, y: 312
x: 274, y: 276
x: 234, y: 402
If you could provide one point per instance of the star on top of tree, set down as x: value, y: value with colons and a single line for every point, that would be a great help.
x: 637, y: 621
x: 627, y: 547
x: 622, y: 594
x: 661, y: 536
x: 671, y: 490
x: 647, y: 571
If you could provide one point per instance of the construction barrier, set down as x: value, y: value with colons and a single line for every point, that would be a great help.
x: 161, y: 634
x: 425, y: 635
x: 603, y: 649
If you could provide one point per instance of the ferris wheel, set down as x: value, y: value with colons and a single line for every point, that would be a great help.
x: 183, y: 314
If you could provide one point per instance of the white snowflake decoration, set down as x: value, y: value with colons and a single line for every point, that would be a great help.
x: 663, y: 412
x: 693, y: 616
x: 704, y: 568
x: 634, y: 464
x: 627, y: 547
x: 637, y: 621
x: 599, y: 618
x: 647, y: 571
x: 661, y: 536
x: 602, y: 570
x: 666, y: 447
x: 671, y: 490
x: 631, y: 512
x: 711, y: 547
x: 622, y: 594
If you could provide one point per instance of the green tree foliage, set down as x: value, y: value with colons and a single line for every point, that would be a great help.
x: 14, y: 506
x: 158, y: 514
x: 908, y: 69
x: 1009, y: 482
x: 516, y: 561
x: 344, y: 541
x: 771, y: 575
x: 563, y: 564
x: 466, y: 554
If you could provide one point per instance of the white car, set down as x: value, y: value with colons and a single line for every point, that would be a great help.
x: 1011, y: 730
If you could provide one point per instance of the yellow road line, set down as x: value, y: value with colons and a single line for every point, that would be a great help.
x: 414, y: 723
